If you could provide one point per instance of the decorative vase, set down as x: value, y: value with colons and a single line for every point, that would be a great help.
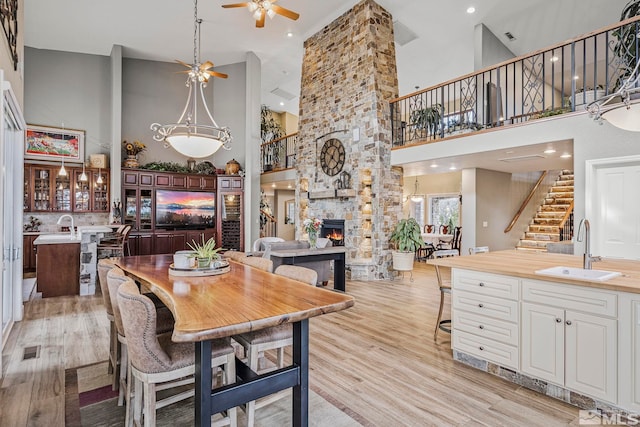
x: 313, y: 239
x: 204, y: 262
x: 131, y: 161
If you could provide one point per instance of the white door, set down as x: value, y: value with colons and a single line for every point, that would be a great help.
x: 591, y: 350
x: 543, y: 342
x: 616, y: 210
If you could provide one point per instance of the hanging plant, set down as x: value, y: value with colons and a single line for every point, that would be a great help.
x: 270, y: 129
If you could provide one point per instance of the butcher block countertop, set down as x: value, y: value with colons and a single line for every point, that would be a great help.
x: 524, y: 264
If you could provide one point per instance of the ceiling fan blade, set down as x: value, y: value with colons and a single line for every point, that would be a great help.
x: 235, y: 5
x: 183, y: 63
x: 206, y: 65
x: 260, y: 21
x: 217, y: 74
x: 285, y: 12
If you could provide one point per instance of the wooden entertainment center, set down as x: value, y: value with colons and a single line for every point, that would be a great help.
x: 139, y: 192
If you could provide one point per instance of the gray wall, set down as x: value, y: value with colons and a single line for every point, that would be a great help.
x: 70, y: 88
x: 488, y: 49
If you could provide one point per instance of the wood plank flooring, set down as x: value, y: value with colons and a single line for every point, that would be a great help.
x: 376, y: 361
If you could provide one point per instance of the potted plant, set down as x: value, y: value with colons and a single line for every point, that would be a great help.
x: 428, y: 118
x: 205, y: 252
x: 406, y: 238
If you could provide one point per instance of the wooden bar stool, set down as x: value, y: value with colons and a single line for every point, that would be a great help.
x: 445, y: 288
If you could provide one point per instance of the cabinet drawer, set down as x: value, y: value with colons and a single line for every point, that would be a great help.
x: 486, y: 284
x: 486, y: 327
x: 570, y: 297
x: 486, y: 349
x: 485, y: 305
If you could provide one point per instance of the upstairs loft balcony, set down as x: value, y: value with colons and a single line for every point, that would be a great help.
x: 561, y: 79
x: 279, y: 154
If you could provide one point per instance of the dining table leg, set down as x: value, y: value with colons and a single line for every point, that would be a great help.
x: 203, y: 384
x: 300, y: 401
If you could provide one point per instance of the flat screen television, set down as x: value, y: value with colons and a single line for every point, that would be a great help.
x: 179, y: 209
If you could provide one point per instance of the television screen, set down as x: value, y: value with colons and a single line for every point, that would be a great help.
x: 185, y: 209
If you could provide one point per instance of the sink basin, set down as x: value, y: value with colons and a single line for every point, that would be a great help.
x: 578, y: 273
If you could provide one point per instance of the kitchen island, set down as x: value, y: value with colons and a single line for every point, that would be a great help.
x: 66, y: 265
x: 572, y: 339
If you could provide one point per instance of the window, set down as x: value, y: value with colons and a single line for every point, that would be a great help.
x: 444, y: 209
x: 417, y: 209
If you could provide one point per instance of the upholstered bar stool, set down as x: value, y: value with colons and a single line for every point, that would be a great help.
x: 104, y: 266
x: 164, y: 323
x: 444, y: 283
x: 156, y: 360
x: 275, y: 338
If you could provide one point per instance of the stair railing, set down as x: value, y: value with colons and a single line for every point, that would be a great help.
x: 269, y: 228
x: 525, y: 202
x: 566, y: 226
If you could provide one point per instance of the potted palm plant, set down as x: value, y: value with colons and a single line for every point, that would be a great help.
x: 205, y: 252
x: 428, y: 118
x: 406, y: 238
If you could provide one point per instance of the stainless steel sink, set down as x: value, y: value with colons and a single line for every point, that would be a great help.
x: 579, y: 273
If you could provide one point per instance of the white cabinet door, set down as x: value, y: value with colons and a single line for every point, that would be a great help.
x: 543, y: 342
x: 591, y: 350
x: 629, y: 353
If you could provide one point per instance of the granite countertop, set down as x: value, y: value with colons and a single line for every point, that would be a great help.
x: 524, y: 264
x: 61, y: 238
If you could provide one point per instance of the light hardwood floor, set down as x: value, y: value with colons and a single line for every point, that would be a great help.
x: 376, y: 361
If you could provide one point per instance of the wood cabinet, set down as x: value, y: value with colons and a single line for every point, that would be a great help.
x: 55, y: 278
x: 47, y: 191
x: 168, y: 242
x: 138, y: 208
x: 28, y: 253
x: 141, y: 243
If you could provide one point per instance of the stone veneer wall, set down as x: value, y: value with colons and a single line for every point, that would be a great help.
x: 348, y: 78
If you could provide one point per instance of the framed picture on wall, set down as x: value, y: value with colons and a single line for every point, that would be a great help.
x: 51, y: 143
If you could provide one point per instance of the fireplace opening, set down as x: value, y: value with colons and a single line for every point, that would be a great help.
x: 333, y: 229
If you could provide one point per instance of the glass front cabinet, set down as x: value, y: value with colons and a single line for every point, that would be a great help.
x: 230, y: 224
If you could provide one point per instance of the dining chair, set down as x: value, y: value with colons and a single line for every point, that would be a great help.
x: 104, y: 266
x: 158, y: 363
x: 455, y: 241
x: 274, y: 338
x: 444, y: 284
x: 117, y: 247
x: 478, y: 250
x: 233, y: 254
x: 257, y: 262
x: 429, y: 228
x: 443, y: 229
x: 164, y: 323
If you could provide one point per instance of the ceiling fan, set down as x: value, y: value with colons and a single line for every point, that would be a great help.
x: 201, y: 71
x: 262, y: 8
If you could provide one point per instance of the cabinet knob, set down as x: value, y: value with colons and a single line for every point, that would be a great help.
x: 568, y: 322
x: 481, y: 284
x: 558, y: 320
x: 480, y: 305
x: 481, y: 348
x: 480, y: 326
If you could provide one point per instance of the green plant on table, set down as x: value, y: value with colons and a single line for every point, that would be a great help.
x: 407, y: 235
x: 205, y: 251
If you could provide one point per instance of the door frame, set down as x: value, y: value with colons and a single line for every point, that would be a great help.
x: 591, y: 170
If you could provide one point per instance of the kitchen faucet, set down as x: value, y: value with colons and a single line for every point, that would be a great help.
x: 587, y: 258
x: 72, y: 228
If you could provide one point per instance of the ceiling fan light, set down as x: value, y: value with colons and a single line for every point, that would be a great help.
x: 271, y: 13
x: 257, y: 14
x: 252, y: 6
x: 266, y: 4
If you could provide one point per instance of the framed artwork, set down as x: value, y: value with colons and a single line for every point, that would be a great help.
x: 289, y: 211
x: 50, y: 143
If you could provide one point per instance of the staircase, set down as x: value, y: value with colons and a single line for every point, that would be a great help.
x: 545, y: 226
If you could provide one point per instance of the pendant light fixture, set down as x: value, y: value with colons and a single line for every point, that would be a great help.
x: 99, y: 180
x: 414, y: 196
x: 62, y: 171
x: 83, y: 175
x: 188, y: 137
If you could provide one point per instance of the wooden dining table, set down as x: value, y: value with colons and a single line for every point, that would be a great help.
x: 242, y: 300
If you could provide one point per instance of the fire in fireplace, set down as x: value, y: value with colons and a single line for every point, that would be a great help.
x: 333, y: 229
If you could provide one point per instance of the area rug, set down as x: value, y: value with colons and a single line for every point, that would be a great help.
x: 89, y: 401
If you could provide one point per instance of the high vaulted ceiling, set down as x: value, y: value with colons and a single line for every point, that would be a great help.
x: 162, y: 30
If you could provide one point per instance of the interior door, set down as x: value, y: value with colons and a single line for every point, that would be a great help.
x: 616, y: 225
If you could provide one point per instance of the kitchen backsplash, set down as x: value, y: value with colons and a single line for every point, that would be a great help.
x: 49, y: 220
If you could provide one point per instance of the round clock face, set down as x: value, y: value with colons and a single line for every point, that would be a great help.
x: 332, y: 157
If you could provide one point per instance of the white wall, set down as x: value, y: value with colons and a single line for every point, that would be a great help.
x: 285, y: 231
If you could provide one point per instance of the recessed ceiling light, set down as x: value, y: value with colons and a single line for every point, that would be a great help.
x: 281, y: 103
x: 273, y: 185
x: 471, y: 9
x: 576, y: 77
x: 554, y: 58
x: 452, y: 168
x: 289, y: 186
x: 433, y: 165
x: 565, y: 156
x: 549, y: 151
x: 289, y: 34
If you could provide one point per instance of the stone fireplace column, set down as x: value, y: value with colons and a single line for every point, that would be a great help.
x: 348, y: 78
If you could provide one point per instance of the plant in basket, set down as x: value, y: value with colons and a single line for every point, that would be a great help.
x: 205, y: 252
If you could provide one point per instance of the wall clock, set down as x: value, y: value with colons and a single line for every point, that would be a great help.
x: 332, y: 157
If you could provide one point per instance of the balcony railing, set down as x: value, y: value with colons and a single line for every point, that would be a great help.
x: 279, y: 154
x: 556, y: 80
